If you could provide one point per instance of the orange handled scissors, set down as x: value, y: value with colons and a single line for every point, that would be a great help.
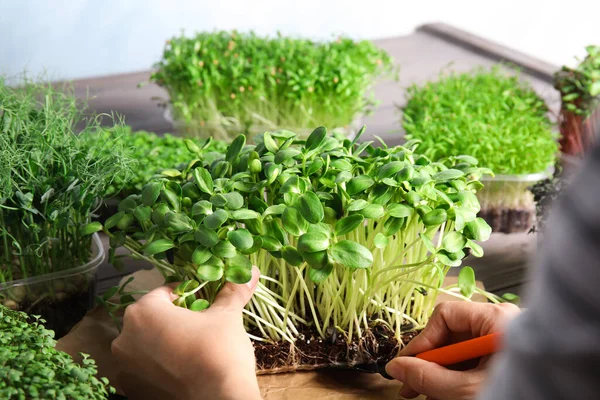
x: 469, y: 349
x: 455, y: 353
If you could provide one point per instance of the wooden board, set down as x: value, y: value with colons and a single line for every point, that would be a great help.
x: 420, y: 55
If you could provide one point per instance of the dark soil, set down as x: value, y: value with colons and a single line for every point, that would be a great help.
x: 61, y: 316
x: 508, y: 220
x: 310, y: 351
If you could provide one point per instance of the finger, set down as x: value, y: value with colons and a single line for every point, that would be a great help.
x: 450, y: 317
x: 235, y: 296
x: 162, y: 294
x: 433, y: 380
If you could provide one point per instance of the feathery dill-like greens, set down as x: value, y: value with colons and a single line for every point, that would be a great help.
x: 51, y: 180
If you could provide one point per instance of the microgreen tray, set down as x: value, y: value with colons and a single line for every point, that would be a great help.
x: 61, y: 298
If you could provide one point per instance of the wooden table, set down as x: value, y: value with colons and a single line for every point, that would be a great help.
x: 421, y: 56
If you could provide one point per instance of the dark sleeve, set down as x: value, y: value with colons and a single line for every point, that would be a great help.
x: 552, y: 350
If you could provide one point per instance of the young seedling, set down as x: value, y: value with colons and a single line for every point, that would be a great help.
x: 347, y: 236
x: 499, y: 120
x: 33, y: 369
x: 580, y: 93
x: 224, y: 83
x: 51, y: 180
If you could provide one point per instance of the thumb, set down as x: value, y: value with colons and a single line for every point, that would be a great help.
x: 433, y: 380
x: 234, y: 296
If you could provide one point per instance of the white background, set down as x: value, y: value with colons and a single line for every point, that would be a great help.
x: 82, y: 38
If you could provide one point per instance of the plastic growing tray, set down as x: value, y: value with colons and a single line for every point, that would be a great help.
x: 506, y: 202
x: 61, y: 298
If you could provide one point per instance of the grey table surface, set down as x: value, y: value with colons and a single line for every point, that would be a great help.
x: 422, y: 55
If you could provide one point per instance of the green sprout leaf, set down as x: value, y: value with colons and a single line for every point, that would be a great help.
x: 317, y: 259
x: 351, y: 254
x: 400, y: 210
x: 241, y: 238
x: 359, y: 184
x: 348, y: 224
x: 199, y: 305
x: 239, y: 270
x: 466, y: 281
x: 292, y: 256
x: 90, y: 228
x: 316, y: 138
x: 311, y: 208
x: 313, y: 242
x: 435, y: 217
x: 241, y: 215
x: 454, y: 242
x: 203, y: 180
x: 185, y: 287
x: 210, y: 272
x: 478, y: 229
x: 235, y: 148
x: 158, y: 246
x: 380, y: 241
x: 318, y: 275
x: 216, y: 219
x: 372, y: 211
x: 200, y: 255
x: 150, y: 193
x: 293, y: 222
x: 224, y: 249
x: 206, y: 237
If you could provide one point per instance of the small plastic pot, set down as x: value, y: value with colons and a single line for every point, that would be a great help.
x: 228, y: 129
x: 61, y: 298
x: 507, y: 204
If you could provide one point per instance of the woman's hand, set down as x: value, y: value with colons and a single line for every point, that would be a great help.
x: 168, y: 352
x: 450, y: 322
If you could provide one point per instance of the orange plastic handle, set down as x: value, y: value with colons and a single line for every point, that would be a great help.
x: 463, y: 351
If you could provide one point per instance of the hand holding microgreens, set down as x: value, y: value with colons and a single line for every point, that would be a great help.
x: 224, y: 82
x: 345, y: 234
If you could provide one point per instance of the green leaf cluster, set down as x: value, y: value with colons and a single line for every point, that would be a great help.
x: 488, y: 114
x: 242, y: 82
x: 332, y: 224
x: 580, y: 86
x: 51, y: 179
x: 152, y: 154
x: 33, y: 369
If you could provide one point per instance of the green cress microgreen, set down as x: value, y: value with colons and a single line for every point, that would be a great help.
x: 223, y: 83
x: 343, y: 233
x: 487, y: 114
x: 51, y: 180
x: 33, y: 369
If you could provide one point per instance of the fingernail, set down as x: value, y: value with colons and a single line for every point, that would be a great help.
x: 395, y: 371
x: 251, y: 284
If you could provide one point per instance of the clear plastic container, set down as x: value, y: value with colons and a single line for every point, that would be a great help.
x: 229, y: 129
x: 61, y: 298
x: 506, y: 202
